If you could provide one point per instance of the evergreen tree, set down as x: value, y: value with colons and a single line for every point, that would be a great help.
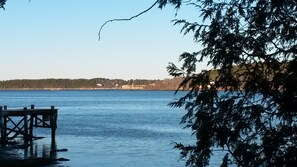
x: 249, y: 111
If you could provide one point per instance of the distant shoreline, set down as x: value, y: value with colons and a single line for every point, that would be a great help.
x: 90, y: 84
x: 57, y: 89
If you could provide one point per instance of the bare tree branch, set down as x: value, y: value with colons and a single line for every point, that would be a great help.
x: 127, y: 19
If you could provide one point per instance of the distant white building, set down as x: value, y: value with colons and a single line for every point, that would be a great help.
x: 99, y: 85
x: 133, y: 87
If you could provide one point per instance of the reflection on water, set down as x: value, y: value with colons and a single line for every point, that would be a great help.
x: 35, y: 153
x: 38, y: 149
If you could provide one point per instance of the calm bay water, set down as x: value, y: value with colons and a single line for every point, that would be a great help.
x: 109, y: 128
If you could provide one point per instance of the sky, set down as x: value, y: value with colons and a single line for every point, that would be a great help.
x: 59, y: 39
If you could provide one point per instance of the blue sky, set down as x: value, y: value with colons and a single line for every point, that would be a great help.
x: 58, y: 39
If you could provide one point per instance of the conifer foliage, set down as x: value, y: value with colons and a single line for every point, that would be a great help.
x: 2, y: 3
x: 248, y: 111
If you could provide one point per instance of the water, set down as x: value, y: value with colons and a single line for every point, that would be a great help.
x: 109, y: 128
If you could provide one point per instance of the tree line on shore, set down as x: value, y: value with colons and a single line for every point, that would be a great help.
x: 95, y: 83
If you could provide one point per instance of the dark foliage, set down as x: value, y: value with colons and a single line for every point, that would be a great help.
x: 2, y: 3
x: 249, y: 111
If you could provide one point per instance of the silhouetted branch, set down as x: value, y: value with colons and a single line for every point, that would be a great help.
x: 128, y: 19
x: 2, y: 3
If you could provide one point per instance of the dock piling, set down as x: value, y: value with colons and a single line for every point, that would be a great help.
x: 2, y: 124
x: 43, y: 118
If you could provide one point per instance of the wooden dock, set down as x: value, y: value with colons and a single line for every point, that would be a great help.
x: 20, y: 122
